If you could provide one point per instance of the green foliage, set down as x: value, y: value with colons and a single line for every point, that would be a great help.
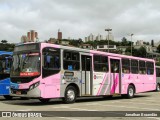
x: 76, y: 43
x: 158, y: 48
x: 141, y: 52
x: 4, y: 41
x: 6, y: 47
x: 157, y: 63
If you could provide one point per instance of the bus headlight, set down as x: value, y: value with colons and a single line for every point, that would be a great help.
x: 34, y: 85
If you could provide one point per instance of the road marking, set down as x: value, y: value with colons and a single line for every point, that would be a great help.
x: 74, y: 108
x: 154, y: 118
x: 68, y: 118
x: 137, y: 103
x: 143, y: 100
x: 25, y: 110
x: 125, y: 107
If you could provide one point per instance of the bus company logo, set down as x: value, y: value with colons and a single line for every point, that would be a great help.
x: 98, y: 77
x: 6, y: 114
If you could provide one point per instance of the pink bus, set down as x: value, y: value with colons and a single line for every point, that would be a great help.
x: 46, y: 71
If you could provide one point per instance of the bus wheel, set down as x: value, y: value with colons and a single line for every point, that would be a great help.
x: 158, y: 87
x: 7, y: 97
x: 70, y: 95
x: 44, y: 100
x: 130, y: 92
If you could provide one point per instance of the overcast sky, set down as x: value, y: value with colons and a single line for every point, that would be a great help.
x: 79, y: 18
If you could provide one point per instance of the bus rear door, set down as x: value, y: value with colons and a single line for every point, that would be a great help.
x: 86, y: 83
x: 115, y: 75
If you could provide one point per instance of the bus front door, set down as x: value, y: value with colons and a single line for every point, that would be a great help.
x: 86, y: 81
x: 115, y: 76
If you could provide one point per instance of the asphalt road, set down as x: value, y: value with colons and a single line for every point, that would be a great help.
x: 87, y: 106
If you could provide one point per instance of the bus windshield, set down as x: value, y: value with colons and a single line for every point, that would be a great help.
x: 26, y: 64
x: 5, y: 64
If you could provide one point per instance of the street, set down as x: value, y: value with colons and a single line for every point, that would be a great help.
x: 142, y: 102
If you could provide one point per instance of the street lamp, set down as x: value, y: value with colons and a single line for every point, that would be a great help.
x: 108, y: 29
x: 131, y: 42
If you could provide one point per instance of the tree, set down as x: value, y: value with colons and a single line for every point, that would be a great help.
x: 141, y: 52
x: 158, y: 48
x: 4, y: 41
x: 124, y: 42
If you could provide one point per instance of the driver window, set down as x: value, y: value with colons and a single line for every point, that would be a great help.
x: 51, y: 58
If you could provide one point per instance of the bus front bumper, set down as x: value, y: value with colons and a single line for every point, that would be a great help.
x: 34, y: 93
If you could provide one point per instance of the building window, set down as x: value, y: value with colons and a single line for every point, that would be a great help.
x: 101, y: 46
x: 125, y: 65
x: 71, y: 60
x: 100, y: 63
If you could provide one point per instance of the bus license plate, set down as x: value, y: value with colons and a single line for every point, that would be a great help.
x: 18, y: 92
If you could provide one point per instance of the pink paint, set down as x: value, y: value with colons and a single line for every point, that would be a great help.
x: 114, y: 86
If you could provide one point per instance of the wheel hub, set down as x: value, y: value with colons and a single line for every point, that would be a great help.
x: 70, y: 95
x: 131, y: 92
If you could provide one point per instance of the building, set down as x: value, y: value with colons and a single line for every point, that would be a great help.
x: 86, y: 46
x: 53, y: 41
x: 139, y: 42
x: 86, y: 39
x: 110, y: 37
x: 32, y: 36
x: 122, y: 49
x: 59, y: 35
x: 91, y: 37
x: 64, y: 42
x: 99, y: 37
x: 24, y: 39
x: 104, y: 48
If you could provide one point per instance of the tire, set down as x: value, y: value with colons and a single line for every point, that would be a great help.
x: 7, y: 97
x: 44, y: 100
x: 130, y: 92
x: 158, y: 87
x: 70, y: 95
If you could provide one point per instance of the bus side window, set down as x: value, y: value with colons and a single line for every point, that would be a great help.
x: 51, y: 59
x: 134, y: 66
x: 71, y: 60
x: 142, y: 67
x: 100, y: 63
x: 150, y: 68
x: 125, y: 65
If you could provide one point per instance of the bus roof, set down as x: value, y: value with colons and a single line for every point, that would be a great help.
x: 89, y: 51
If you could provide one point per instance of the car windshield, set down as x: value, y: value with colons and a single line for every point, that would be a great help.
x: 26, y: 64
